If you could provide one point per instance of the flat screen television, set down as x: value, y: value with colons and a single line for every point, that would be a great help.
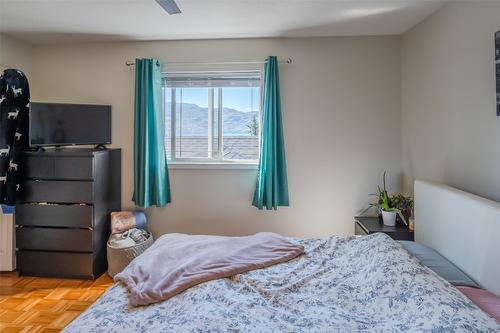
x: 57, y: 124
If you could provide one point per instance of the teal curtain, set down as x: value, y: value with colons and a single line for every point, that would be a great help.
x: 272, y: 184
x: 151, y: 182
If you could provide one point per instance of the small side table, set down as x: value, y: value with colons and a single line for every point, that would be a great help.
x: 367, y: 225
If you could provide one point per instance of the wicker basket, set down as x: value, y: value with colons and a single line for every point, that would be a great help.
x: 119, y: 258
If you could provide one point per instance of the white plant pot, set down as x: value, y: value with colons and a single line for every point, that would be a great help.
x: 389, y: 218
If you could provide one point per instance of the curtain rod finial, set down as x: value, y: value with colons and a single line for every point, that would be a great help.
x: 289, y: 60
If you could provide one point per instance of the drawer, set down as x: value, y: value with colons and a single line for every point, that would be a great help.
x: 75, y: 216
x: 59, y: 168
x: 76, y: 168
x: 54, y: 239
x: 407, y: 236
x: 38, y: 167
x: 57, y: 191
x: 60, y: 264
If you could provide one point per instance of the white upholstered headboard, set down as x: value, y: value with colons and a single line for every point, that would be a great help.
x: 463, y: 227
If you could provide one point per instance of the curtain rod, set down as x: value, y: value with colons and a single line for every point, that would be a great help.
x: 287, y: 61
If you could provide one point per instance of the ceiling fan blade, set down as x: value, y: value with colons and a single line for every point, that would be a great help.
x: 170, y: 6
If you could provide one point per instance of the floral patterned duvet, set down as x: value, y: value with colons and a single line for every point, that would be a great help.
x: 342, y: 284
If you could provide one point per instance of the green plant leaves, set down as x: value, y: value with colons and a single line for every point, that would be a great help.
x: 395, y: 203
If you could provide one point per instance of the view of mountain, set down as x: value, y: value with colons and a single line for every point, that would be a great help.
x: 194, y: 120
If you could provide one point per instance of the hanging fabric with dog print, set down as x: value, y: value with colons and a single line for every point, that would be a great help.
x: 14, y: 123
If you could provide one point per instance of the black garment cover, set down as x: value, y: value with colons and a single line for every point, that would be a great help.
x: 14, y: 123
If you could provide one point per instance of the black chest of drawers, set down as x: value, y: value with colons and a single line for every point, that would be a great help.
x: 62, y: 221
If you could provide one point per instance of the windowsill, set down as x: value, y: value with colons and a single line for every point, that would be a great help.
x: 213, y: 165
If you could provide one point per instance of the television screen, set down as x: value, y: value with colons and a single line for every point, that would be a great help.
x: 55, y: 124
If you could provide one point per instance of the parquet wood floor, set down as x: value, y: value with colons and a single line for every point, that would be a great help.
x: 45, y: 305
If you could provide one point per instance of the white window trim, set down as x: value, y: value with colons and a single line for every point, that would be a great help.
x: 216, y: 162
x: 229, y: 165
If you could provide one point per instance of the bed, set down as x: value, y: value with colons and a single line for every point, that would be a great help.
x: 340, y: 284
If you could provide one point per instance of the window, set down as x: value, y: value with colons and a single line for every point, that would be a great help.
x: 212, y: 117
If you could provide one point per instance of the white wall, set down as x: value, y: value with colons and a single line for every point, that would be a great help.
x: 341, y: 105
x: 16, y: 54
x: 7, y: 251
x: 341, y: 100
x: 451, y: 133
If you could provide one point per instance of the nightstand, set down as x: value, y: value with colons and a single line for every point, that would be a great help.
x: 367, y: 225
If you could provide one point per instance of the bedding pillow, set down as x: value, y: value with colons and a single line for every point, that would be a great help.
x: 484, y: 299
x: 439, y: 264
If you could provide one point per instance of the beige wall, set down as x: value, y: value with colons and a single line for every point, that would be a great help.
x: 342, y: 100
x: 451, y: 133
x: 341, y: 105
x: 16, y: 54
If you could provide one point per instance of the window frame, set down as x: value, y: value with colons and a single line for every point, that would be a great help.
x: 218, y: 161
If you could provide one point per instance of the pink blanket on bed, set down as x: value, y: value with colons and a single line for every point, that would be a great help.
x: 176, y: 262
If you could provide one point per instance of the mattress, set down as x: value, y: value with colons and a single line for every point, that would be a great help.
x: 340, y: 284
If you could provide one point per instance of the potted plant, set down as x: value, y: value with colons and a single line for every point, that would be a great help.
x: 404, y: 204
x: 386, y: 206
